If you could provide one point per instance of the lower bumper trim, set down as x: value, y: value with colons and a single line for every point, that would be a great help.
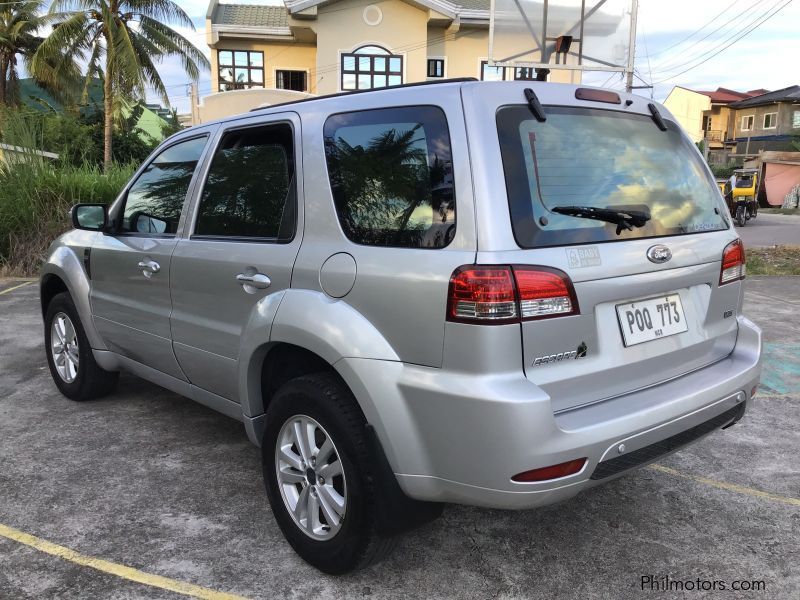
x: 653, y: 451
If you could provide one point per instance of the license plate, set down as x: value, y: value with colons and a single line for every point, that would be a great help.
x: 651, y: 319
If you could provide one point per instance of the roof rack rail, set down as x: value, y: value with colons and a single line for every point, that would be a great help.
x: 381, y: 89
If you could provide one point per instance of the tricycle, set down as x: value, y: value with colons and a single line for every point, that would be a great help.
x: 742, y: 200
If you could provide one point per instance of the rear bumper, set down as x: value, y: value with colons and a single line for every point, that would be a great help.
x: 460, y: 437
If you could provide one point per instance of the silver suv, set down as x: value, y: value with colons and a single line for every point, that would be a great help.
x: 497, y: 294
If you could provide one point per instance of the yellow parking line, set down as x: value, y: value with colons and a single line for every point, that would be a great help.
x: 731, y: 487
x: 172, y: 585
x: 16, y: 287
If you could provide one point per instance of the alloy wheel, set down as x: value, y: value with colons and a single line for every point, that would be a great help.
x: 64, y: 347
x: 310, y: 477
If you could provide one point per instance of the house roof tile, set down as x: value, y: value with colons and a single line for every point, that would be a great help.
x: 254, y: 15
x: 251, y: 15
x: 725, y: 96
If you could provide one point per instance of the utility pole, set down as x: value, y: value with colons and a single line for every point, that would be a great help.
x: 195, y: 102
x: 632, y: 46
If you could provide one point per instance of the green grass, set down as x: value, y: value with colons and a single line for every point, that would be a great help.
x: 37, y: 193
x: 35, y: 198
x: 779, y: 260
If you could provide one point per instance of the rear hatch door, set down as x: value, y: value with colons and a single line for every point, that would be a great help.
x: 649, y: 303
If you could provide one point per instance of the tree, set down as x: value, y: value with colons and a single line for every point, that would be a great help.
x: 120, y: 41
x: 19, y: 22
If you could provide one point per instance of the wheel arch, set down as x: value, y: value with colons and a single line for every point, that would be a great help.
x: 296, y: 332
x: 64, y: 272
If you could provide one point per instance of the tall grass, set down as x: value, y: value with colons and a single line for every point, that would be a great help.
x: 36, y: 194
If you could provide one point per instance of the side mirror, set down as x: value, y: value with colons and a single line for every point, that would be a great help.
x: 91, y: 217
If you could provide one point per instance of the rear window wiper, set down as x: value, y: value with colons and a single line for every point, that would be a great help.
x: 623, y: 219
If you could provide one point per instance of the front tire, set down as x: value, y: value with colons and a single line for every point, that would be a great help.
x: 319, y: 475
x: 69, y: 355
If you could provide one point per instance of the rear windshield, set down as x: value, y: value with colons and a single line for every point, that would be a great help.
x: 602, y: 159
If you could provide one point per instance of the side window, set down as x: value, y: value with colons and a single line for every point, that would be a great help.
x: 250, y: 191
x: 155, y: 200
x: 391, y: 174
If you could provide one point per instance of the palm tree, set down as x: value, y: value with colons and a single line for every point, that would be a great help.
x: 120, y: 41
x: 19, y: 22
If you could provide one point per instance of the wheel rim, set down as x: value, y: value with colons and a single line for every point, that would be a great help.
x: 310, y: 477
x: 64, y: 347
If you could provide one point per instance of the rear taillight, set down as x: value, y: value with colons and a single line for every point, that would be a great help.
x: 494, y: 295
x: 482, y: 295
x: 733, y: 263
x: 544, y: 293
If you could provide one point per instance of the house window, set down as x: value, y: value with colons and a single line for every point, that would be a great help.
x: 290, y: 80
x: 371, y: 67
x: 489, y: 73
x: 747, y: 123
x: 435, y: 67
x: 796, y: 119
x: 525, y: 74
x: 240, y: 70
x: 770, y: 120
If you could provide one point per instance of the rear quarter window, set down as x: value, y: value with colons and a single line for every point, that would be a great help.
x: 391, y: 175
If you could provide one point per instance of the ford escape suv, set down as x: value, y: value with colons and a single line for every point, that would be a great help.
x: 496, y: 294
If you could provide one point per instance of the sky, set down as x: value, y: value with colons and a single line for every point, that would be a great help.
x: 672, y: 36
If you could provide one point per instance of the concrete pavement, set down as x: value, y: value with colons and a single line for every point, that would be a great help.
x: 152, y: 481
x: 769, y: 230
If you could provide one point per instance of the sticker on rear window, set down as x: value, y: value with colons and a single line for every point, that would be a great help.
x: 585, y: 256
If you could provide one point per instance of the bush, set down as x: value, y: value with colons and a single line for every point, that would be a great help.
x: 723, y: 171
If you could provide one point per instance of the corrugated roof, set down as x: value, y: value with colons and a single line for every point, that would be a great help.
x: 789, y: 94
x: 251, y: 15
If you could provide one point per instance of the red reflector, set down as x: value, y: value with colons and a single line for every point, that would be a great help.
x: 482, y: 295
x: 553, y: 472
x: 597, y: 96
x: 544, y: 292
x: 733, y: 263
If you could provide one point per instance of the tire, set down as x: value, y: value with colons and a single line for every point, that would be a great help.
x: 352, y: 543
x: 83, y: 378
x: 740, y: 216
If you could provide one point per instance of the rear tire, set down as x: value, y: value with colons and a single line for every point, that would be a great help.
x: 741, y: 217
x: 69, y: 355
x: 322, y: 405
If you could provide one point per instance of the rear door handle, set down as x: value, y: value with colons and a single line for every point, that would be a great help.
x: 149, y: 268
x: 251, y: 283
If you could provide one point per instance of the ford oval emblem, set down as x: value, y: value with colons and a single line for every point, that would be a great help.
x: 659, y: 254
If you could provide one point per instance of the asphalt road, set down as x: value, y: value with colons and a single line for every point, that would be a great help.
x: 768, y: 230
x: 154, y: 482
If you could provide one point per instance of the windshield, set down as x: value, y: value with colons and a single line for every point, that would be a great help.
x: 602, y: 159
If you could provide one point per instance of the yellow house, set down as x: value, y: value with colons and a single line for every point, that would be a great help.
x: 330, y: 46
x: 688, y: 107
